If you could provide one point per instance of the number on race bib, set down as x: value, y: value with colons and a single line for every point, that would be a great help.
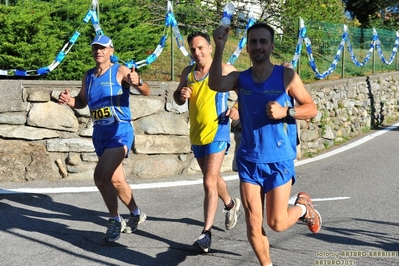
x: 101, y: 113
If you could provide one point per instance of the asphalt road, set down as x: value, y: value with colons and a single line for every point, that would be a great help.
x: 354, y: 187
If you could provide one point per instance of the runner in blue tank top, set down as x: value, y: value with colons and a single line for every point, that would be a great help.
x: 105, y: 89
x: 265, y: 157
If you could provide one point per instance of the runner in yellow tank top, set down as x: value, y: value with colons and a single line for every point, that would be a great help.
x: 209, y: 132
x: 207, y: 108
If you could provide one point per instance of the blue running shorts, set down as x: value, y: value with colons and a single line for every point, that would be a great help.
x: 125, y: 139
x: 266, y: 175
x: 200, y: 151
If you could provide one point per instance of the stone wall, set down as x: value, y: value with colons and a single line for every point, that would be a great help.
x: 348, y: 108
x: 40, y: 139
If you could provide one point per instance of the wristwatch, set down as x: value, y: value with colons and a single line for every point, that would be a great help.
x: 291, y: 112
x: 140, y: 83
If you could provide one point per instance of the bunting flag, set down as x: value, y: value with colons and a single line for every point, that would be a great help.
x: 374, y: 44
x: 90, y: 15
x: 170, y: 21
x: 394, y: 49
x: 298, y: 48
x: 368, y: 55
x: 251, y: 20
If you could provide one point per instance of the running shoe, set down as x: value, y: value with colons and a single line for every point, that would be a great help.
x: 133, y: 221
x: 114, y: 229
x: 312, y: 216
x: 231, y: 215
x: 203, y: 242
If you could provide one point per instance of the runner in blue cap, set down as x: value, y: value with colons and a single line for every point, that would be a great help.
x: 105, y: 89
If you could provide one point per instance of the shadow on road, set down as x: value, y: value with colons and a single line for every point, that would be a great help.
x: 37, y: 219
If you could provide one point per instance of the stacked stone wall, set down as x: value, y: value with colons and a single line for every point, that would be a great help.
x: 40, y: 139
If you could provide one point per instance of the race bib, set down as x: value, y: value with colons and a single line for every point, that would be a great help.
x: 102, y: 116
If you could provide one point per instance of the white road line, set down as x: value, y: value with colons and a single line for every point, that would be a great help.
x: 348, y: 146
x: 48, y: 190
x: 292, y: 199
x: 199, y: 181
x: 94, y: 189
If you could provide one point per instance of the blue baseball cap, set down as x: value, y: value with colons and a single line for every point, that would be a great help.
x: 103, y: 41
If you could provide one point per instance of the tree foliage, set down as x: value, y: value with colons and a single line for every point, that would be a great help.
x: 32, y: 32
x: 331, y: 11
x: 368, y: 12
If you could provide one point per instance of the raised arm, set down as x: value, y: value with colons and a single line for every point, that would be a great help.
x: 221, y: 78
x: 233, y: 111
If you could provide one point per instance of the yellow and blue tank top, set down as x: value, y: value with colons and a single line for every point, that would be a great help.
x: 265, y: 140
x: 207, y: 109
x: 108, y: 102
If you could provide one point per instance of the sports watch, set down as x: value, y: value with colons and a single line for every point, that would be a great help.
x: 291, y: 112
x: 140, y: 83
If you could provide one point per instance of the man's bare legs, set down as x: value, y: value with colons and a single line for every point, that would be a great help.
x: 252, y: 199
x: 214, y: 185
x: 279, y: 216
x: 110, y: 180
x: 215, y: 188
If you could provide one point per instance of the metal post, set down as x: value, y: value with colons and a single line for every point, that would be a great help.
x: 172, y: 57
x: 343, y: 62
x: 172, y: 54
x: 98, y: 11
x: 298, y: 66
x: 373, y: 70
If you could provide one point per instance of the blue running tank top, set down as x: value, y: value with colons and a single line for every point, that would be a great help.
x: 265, y: 140
x: 108, y: 102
